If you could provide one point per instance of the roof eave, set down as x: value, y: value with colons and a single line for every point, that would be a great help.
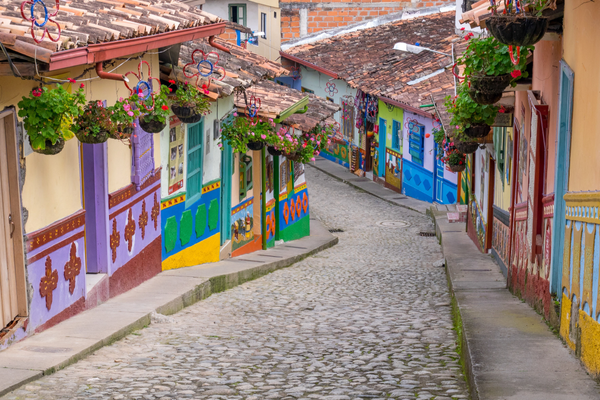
x: 309, y: 65
x: 94, y: 53
x: 298, y: 107
x: 406, y: 107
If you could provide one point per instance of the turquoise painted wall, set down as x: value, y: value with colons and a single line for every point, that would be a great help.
x: 389, y: 116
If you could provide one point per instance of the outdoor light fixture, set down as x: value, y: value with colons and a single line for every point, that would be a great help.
x: 410, y: 48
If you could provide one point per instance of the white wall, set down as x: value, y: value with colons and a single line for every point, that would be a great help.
x: 482, y: 199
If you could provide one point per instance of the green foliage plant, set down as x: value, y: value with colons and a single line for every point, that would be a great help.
x: 239, y: 133
x: 187, y: 95
x: 94, y: 121
x: 48, y: 114
x: 487, y: 56
x: 161, y: 110
x: 466, y: 112
x: 124, y: 112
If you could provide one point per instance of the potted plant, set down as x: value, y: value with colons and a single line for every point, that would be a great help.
x: 123, y: 115
x: 188, y: 103
x: 488, y: 68
x: 242, y: 135
x: 516, y: 27
x: 308, y: 145
x: 454, y: 159
x: 94, y: 124
x: 468, y: 116
x: 463, y: 144
x: 155, y: 119
x: 48, y: 115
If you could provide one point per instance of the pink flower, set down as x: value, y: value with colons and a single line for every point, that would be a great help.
x: 130, y: 113
x: 328, y: 141
x: 251, y: 133
x: 126, y: 107
x: 516, y: 73
x: 462, y: 29
x: 120, y: 99
x: 263, y: 136
x: 81, y: 86
x: 72, y: 80
x: 36, y: 92
x: 304, y: 145
x: 235, y: 114
x: 312, y: 159
x: 220, y: 145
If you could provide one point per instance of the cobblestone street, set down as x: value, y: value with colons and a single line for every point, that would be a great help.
x: 369, y: 318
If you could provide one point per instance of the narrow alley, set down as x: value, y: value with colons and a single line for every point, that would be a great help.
x: 368, y: 318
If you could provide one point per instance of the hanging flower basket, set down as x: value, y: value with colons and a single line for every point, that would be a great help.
x: 518, y: 30
x: 457, y: 168
x: 186, y: 115
x: 255, y: 145
x: 121, y: 133
x: 274, y: 152
x: 477, y: 131
x: 51, y: 149
x: 86, y: 137
x: 466, y: 147
x: 490, y: 84
x: 293, y: 156
x: 484, y: 98
x: 151, y: 125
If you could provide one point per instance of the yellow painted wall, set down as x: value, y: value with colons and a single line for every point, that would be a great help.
x: 270, y: 46
x: 582, y: 53
x: 502, y: 192
x: 52, y: 189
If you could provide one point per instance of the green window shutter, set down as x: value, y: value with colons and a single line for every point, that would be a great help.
x: 194, y: 161
x: 245, y: 175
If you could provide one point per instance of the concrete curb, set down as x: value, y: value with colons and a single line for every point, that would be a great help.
x: 360, y: 187
x: 167, y: 293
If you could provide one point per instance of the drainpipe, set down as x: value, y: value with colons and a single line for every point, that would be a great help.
x: 108, y: 75
x: 211, y: 41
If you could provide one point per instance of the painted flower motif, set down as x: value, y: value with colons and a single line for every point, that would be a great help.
x: 48, y: 18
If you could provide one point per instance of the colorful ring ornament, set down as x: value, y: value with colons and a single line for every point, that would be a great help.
x: 330, y: 88
x: 47, y: 18
x: 211, y: 65
x: 141, y: 82
x: 252, y: 109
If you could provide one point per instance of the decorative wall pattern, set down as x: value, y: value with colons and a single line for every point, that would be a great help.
x: 337, y: 151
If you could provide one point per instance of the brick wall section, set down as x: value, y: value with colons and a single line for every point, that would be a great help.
x: 322, y: 18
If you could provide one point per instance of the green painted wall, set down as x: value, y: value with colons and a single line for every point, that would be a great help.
x: 297, y: 230
x: 389, y: 116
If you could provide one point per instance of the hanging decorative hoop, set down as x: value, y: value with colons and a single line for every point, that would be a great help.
x: 512, y: 56
x: 252, y: 109
x: 204, y: 79
x: 48, y: 18
x: 296, y: 73
x: 150, y: 92
x: 331, y: 89
x: 372, y: 107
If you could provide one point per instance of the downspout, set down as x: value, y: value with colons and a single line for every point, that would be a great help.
x: 211, y: 41
x: 108, y: 75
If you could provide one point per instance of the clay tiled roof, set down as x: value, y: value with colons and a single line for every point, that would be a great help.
x: 86, y: 22
x: 243, y: 68
x: 366, y: 59
x: 319, y: 110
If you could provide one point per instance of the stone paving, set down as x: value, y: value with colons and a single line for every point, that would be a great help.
x: 366, y: 319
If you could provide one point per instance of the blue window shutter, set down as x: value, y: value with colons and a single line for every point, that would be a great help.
x: 194, y: 160
x: 142, y: 165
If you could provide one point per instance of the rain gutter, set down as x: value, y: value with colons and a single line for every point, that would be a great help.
x: 299, y: 108
x: 309, y: 65
x: 99, y: 52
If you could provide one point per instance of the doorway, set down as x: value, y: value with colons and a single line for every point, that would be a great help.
x: 438, y: 177
x: 13, y: 294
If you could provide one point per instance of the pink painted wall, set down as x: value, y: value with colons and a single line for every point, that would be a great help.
x: 546, y: 78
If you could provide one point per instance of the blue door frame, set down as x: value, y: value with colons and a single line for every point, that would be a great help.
x: 561, y: 180
x: 438, y: 179
x: 381, y: 150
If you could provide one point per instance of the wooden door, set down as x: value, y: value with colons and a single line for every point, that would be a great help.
x: 13, y: 302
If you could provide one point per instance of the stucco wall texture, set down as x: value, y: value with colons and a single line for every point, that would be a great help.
x: 300, y: 18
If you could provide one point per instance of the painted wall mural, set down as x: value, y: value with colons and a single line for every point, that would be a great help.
x: 393, y: 168
x: 337, y: 151
x: 191, y: 232
x: 242, y: 224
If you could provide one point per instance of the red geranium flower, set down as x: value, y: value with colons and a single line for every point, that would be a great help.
x: 516, y: 73
x: 171, y: 81
x: 165, y: 108
x: 82, y: 86
x: 72, y: 80
x: 36, y: 92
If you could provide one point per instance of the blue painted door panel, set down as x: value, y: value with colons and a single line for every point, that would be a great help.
x: 381, y: 149
x: 417, y: 182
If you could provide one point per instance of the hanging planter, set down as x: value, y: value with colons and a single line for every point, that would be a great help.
x: 274, y: 152
x: 477, y: 131
x: 517, y: 30
x: 293, y: 156
x: 94, y: 125
x: 485, y: 98
x: 123, y: 115
x: 92, y: 138
x: 48, y: 116
x: 149, y: 123
x: 466, y: 147
x: 186, y: 114
x: 255, y: 145
x: 121, y: 133
x: 490, y: 84
x: 457, y: 168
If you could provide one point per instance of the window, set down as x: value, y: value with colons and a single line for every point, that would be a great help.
x: 263, y: 24
x: 194, y: 161
x: 237, y: 13
x: 246, y: 182
x: 396, y: 135
x: 416, y: 142
x: 499, y: 146
x: 347, y: 120
x: 305, y: 90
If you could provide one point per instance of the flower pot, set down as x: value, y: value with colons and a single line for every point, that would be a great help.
x: 121, y: 133
x: 274, y: 152
x: 517, y: 30
x: 477, y: 131
x: 485, y: 98
x: 186, y: 115
x: 151, y: 126
x: 293, y: 156
x: 84, y: 137
x: 466, y: 147
x: 255, y: 145
x: 490, y: 84
x: 50, y: 149
x: 457, y: 168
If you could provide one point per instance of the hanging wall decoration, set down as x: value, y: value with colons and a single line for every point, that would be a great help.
x: 206, y: 69
x: 295, y: 72
x: 48, y: 18
x: 252, y: 109
x: 331, y: 89
x: 372, y: 109
x: 144, y: 87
